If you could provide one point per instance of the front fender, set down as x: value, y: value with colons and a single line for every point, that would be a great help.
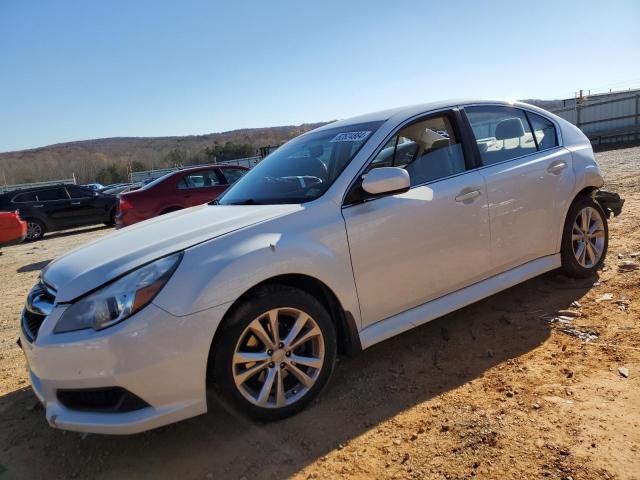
x: 311, y: 242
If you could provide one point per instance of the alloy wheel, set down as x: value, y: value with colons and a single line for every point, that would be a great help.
x: 278, y: 358
x: 34, y: 231
x: 588, y: 237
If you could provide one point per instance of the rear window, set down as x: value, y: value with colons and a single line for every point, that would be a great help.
x: 24, y: 197
x: 202, y: 179
x: 502, y: 133
x: 52, y: 194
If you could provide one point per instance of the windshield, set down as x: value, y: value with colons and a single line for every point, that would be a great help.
x: 302, y: 169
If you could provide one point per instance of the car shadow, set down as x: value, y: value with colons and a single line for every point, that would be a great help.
x: 376, y: 385
x: 33, y: 267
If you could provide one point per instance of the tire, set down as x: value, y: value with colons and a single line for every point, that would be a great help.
x: 580, y: 262
x: 112, y: 219
x: 278, y: 365
x: 35, y: 230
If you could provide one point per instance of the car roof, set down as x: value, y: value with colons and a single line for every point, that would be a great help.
x: 400, y: 114
x: 35, y: 189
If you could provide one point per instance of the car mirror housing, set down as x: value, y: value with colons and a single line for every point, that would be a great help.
x: 386, y: 180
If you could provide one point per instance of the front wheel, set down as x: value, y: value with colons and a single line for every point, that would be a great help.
x: 585, y: 238
x: 275, y: 352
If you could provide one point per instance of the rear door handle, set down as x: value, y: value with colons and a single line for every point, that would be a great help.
x: 465, y: 196
x: 75, y: 203
x: 556, y: 167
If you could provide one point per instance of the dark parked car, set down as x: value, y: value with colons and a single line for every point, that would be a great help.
x: 177, y: 190
x: 58, y: 207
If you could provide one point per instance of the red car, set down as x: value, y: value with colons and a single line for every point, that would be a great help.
x: 177, y: 190
x: 12, y: 229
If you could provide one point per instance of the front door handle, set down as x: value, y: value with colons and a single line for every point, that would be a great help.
x: 466, y: 196
x: 75, y: 203
x: 556, y: 167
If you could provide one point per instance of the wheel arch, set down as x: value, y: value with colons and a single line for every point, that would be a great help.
x: 585, y: 191
x: 347, y: 333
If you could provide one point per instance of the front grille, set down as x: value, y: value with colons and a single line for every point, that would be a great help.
x: 31, y: 323
x: 40, y: 302
x: 108, y: 399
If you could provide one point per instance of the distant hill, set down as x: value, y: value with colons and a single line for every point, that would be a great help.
x: 88, y: 159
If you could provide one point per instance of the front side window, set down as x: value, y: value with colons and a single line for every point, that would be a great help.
x: 427, y: 149
x: 52, y: 194
x: 203, y: 179
x: 544, y: 131
x: 502, y: 133
x: 302, y: 169
x: 79, y: 192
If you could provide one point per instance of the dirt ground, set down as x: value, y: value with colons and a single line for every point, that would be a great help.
x: 496, y: 390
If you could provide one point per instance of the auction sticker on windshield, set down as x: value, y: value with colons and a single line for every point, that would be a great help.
x: 351, y: 136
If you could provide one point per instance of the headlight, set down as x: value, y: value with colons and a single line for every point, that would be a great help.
x: 120, y: 299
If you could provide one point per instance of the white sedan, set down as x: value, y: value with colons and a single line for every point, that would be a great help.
x: 345, y: 236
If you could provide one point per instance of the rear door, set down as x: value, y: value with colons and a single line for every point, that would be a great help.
x: 527, y: 174
x: 413, y: 247
x: 196, y: 188
x: 55, y: 205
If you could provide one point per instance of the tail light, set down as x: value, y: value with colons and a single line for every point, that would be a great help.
x: 124, y: 205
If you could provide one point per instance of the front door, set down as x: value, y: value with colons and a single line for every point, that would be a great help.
x: 410, y: 248
x: 86, y: 207
x: 527, y: 174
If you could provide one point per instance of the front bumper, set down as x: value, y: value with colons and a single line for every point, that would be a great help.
x: 160, y: 358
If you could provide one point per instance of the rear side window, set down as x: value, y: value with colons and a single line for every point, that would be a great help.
x: 232, y: 174
x: 427, y: 149
x: 52, y: 194
x: 502, y: 133
x: 544, y: 131
x: 203, y: 179
x: 24, y: 197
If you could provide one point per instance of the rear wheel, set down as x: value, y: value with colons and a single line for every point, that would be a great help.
x: 35, y: 229
x: 585, y: 238
x: 112, y: 219
x: 275, y: 352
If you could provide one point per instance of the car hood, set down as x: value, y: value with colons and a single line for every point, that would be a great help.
x: 96, y: 263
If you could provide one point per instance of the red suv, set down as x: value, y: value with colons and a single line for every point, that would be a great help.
x: 177, y: 190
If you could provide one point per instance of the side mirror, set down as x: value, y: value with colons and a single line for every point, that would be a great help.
x: 386, y: 180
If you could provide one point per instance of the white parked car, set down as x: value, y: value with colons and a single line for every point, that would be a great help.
x: 345, y: 236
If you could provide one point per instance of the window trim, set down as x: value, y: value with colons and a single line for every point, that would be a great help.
x: 460, y: 129
x: 525, y: 111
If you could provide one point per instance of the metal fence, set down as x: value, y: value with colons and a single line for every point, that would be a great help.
x: 607, y: 118
x: 18, y: 186
x: 148, y: 175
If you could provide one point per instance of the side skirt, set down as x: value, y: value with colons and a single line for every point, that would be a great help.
x: 426, y: 312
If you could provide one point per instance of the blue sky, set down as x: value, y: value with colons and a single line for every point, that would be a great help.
x: 73, y: 70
